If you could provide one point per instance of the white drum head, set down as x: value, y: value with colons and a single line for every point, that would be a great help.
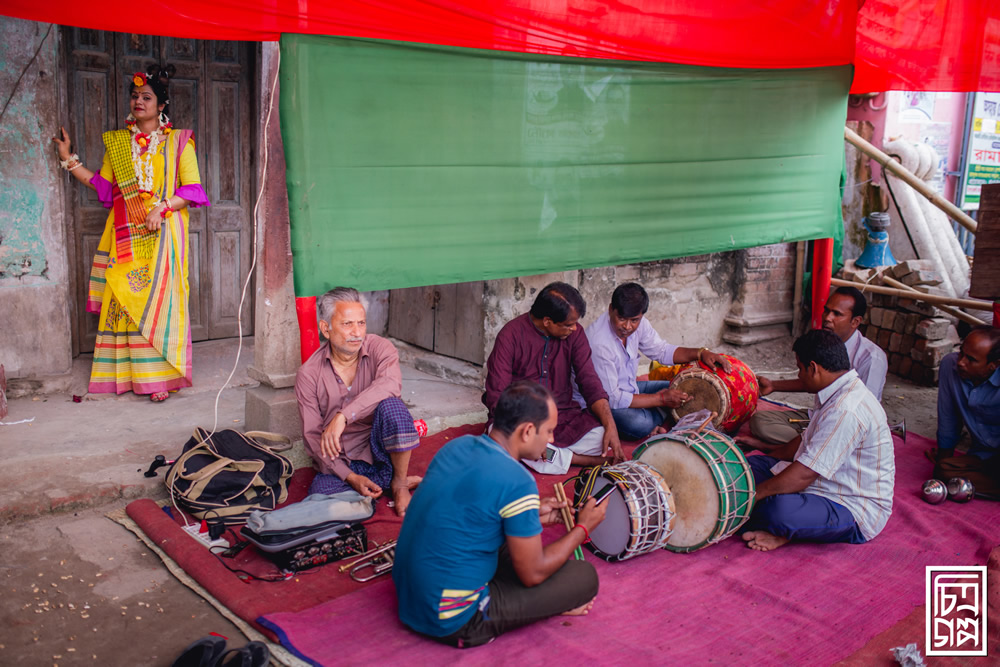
x: 612, y: 535
x: 696, y: 496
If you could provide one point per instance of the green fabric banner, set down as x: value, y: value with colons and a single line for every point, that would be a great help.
x: 417, y: 165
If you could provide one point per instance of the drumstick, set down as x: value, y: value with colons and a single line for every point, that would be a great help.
x: 567, y: 516
x: 705, y: 423
x: 564, y: 510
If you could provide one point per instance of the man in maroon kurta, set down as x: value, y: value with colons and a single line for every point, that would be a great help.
x: 547, y: 346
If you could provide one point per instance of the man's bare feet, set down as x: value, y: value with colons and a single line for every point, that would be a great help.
x: 401, y: 496
x: 582, y: 610
x: 413, y: 481
x: 760, y: 540
x: 659, y: 430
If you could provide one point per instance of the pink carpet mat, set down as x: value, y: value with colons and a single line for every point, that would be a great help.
x: 801, y: 604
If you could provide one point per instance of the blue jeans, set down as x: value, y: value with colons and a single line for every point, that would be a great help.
x: 802, y: 517
x: 637, y: 423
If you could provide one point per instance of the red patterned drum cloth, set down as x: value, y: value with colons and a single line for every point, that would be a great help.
x: 733, y: 396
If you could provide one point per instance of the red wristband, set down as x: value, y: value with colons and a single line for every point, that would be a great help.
x: 585, y: 532
x: 167, y: 210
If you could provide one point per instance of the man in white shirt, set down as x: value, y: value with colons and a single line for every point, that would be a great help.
x: 843, y: 314
x: 835, y: 482
x: 616, y: 340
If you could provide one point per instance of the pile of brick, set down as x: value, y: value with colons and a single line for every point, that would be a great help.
x: 915, y: 335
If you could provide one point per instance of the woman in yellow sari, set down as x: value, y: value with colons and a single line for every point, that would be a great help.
x: 139, y: 279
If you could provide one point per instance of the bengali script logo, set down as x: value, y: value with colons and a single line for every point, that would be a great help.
x: 956, y: 610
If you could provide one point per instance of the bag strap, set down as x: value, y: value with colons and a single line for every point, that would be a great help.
x: 208, y: 471
x: 272, y: 437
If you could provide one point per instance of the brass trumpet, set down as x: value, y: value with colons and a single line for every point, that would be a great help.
x: 379, y: 559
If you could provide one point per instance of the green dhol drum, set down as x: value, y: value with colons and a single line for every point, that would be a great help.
x: 711, y: 482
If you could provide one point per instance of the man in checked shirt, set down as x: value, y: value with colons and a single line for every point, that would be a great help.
x: 833, y: 483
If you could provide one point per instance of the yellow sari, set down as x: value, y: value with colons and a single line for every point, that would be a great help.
x: 139, y: 279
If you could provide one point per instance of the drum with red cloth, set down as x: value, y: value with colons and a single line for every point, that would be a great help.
x: 732, y: 396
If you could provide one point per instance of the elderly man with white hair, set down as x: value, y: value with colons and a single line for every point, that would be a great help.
x: 356, y: 426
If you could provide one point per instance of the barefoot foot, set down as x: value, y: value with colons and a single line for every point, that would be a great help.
x: 582, y: 610
x: 759, y: 540
x: 401, y: 497
x: 659, y: 430
x: 413, y: 481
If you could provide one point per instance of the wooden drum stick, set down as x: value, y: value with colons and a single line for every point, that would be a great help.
x: 567, y: 517
x: 705, y: 423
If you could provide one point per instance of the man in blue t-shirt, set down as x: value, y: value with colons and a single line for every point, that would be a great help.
x: 470, y: 564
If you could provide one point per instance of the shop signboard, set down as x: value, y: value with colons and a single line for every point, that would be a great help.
x: 982, y: 165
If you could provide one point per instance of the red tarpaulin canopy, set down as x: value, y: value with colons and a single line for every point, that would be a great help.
x: 894, y: 44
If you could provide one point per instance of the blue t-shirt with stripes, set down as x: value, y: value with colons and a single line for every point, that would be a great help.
x: 473, y: 495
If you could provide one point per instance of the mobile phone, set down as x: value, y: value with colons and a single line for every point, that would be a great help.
x: 603, y: 493
x: 549, y: 454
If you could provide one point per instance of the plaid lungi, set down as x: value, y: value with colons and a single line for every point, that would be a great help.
x: 392, y: 431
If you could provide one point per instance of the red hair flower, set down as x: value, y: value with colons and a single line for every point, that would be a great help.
x: 140, y: 79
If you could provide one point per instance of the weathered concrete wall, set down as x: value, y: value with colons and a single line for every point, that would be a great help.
x: 689, y: 297
x: 34, y: 282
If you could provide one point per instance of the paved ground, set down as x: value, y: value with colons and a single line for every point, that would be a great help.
x: 80, y: 589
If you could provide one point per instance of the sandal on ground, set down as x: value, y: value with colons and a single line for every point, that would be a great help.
x: 203, y: 653
x: 159, y: 396
x: 254, y: 654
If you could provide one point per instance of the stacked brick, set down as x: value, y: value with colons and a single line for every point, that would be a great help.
x: 915, y: 335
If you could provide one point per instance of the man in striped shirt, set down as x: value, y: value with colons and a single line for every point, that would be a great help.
x: 470, y: 563
x: 834, y: 483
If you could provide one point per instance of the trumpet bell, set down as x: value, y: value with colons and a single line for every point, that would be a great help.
x: 899, y: 428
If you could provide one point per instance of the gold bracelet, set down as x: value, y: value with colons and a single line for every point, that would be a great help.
x: 699, y: 353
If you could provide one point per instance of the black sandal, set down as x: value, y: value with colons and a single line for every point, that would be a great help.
x: 254, y: 654
x: 203, y: 653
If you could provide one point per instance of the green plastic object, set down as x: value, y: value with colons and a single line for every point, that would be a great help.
x: 418, y: 165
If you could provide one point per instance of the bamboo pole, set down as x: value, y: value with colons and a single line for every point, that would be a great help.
x: 800, y: 262
x: 954, y: 212
x: 965, y: 317
x: 917, y: 296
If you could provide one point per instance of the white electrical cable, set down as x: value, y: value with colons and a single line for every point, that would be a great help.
x: 256, y: 223
x: 253, y: 264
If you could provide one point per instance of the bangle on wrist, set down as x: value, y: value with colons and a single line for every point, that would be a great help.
x: 65, y: 164
x: 75, y: 166
x: 700, y: 352
x: 586, y: 533
x: 167, y: 209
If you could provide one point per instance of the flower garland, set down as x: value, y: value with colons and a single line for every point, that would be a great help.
x: 144, y: 147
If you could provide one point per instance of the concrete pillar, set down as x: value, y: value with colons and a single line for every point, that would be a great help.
x: 272, y: 406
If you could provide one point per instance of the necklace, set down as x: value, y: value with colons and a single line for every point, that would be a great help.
x: 142, y: 160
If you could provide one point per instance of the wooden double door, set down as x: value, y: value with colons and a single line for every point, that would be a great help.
x: 210, y: 94
x: 447, y: 319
